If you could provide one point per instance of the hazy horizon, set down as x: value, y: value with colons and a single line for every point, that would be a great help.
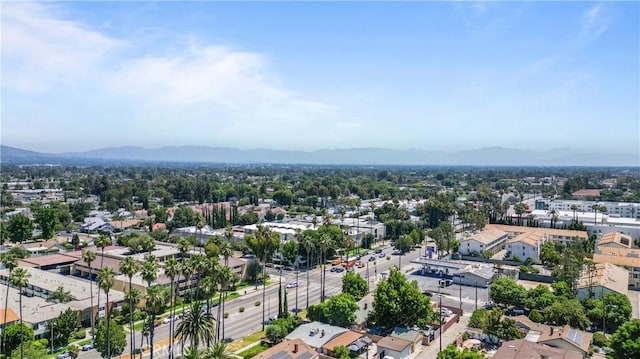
x: 434, y: 76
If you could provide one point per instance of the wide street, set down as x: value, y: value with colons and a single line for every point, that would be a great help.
x: 238, y: 325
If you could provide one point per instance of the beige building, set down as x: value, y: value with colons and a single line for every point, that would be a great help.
x: 555, y: 235
x: 491, y: 240
x: 526, y: 246
x: 615, y: 240
x: 602, y: 278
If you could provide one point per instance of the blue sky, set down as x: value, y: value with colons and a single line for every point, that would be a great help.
x: 303, y: 76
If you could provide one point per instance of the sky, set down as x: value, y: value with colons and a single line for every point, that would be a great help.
x: 443, y: 76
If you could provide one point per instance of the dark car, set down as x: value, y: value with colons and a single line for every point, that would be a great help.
x: 372, y: 258
x: 427, y: 293
x: 378, y: 251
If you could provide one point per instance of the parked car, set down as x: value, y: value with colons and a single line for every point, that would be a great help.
x: 292, y: 285
x: 427, y: 293
x: 64, y: 355
x: 167, y: 320
x: 360, y: 265
x: 339, y: 269
x: 381, y: 255
x: 372, y: 258
x: 456, y: 256
x: 87, y: 347
x: 377, y: 251
x: 446, y: 312
x: 445, y: 283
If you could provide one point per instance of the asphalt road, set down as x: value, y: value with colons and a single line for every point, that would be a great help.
x: 238, y: 325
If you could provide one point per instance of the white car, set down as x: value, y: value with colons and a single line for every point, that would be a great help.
x: 292, y: 285
x: 167, y: 320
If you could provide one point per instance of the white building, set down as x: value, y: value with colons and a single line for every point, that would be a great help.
x: 491, y: 240
x: 618, y: 209
x: 526, y: 246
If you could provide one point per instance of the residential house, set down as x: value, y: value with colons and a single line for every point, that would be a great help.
x: 413, y: 336
x: 96, y: 225
x: 354, y: 341
x: 289, y: 349
x: 524, y: 349
x: 559, y: 337
x: 315, y: 334
x: 395, y: 348
x: 489, y: 240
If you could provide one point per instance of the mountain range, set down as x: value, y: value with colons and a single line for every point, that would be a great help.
x: 491, y: 156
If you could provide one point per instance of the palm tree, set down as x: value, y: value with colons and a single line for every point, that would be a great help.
x: 172, y: 270
x: 324, y: 243
x: 199, y: 264
x: 225, y: 275
x: 226, y: 251
x: 60, y: 296
x: 217, y: 351
x: 200, y: 222
x: 106, y: 281
x: 20, y: 278
x: 263, y: 244
x: 150, y: 274
x: 183, y: 246
x: 10, y: 262
x: 155, y: 300
x: 101, y: 242
x: 307, y: 242
x: 130, y: 267
x: 574, y: 208
x: 196, y: 326
x: 88, y: 257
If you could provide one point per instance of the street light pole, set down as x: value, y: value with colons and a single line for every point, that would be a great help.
x: 476, y: 283
x: 440, y: 317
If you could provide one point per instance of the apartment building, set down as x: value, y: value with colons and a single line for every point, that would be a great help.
x: 618, y: 209
x: 491, y: 240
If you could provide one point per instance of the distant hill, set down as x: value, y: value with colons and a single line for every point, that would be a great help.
x: 492, y: 156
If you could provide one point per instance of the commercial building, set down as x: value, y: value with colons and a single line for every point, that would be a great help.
x: 475, y: 275
x: 619, y: 209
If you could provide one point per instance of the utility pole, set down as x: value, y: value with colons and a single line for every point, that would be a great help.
x: 297, y: 285
x: 368, y: 283
x: 440, y: 317
x: 476, y: 295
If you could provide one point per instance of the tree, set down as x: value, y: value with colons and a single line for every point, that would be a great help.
x: 88, y: 257
x: 548, y: 254
x: 339, y: 310
x: 110, y: 339
x: 275, y: 333
x: 60, y: 295
x: 129, y: 267
x: 74, y: 350
x: 31, y: 350
x: 290, y: 251
x: 106, y: 281
x: 16, y: 334
x: 397, y: 301
x: 341, y: 352
x: 567, y: 311
x: 171, y: 270
x: 19, y: 228
x: 539, y: 298
x: 263, y: 244
x: 197, y: 326
x: 10, y: 262
x: 47, y: 218
x: 62, y: 327
x: 355, y: 285
x: 625, y: 342
x: 217, y: 351
x: 506, y: 291
x: 155, y: 301
x: 452, y: 352
x: 19, y: 279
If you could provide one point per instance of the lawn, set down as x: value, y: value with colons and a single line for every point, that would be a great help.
x: 251, y: 352
x: 243, y: 342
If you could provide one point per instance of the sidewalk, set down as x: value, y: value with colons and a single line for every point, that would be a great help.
x: 448, y: 337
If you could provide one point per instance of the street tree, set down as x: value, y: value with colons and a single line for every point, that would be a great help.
x: 505, y: 291
x: 625, y: 342
x: 110, y: 339
x: 19, y: 228
x: 47, y: 219
x: 355, y: 285
x: 339, y: 310
x: 397, y: 301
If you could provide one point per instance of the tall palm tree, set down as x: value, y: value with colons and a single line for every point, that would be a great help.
x: 106, y: 281
x: 130, y: 267
x: 263, y: 244
x: 308, y: 244
x: 225, y: 275
x: 101, y: 242
x: 574, y: 208
x: 10, y: 262
x: 60, y: 295
x: 19, y: 279
x: 324, y: 243
x: 88, y: 257
x: 196, y: 326
x: 172, y: 270
x: 217, y: 351
x: 183, y: 246
x: 155, y: 300
x: 199, y: 264
x: 226, y: 250
x: 150, y: 274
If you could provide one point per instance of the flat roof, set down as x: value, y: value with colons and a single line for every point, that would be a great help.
x: 316, y: 334
x: 549, y: 231
x: 49, y: 260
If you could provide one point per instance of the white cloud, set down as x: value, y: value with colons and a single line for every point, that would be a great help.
x: 595, y: 21
x: 202, y: 93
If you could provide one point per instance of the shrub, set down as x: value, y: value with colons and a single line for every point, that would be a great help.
x: 536, y: 316
x: 241, y: 309
x: 226, y: 315
x: 524, y: 268
x: 600, y: 340
x: 388, y: 258
x: 257, y: 303
x: 80, y: 334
